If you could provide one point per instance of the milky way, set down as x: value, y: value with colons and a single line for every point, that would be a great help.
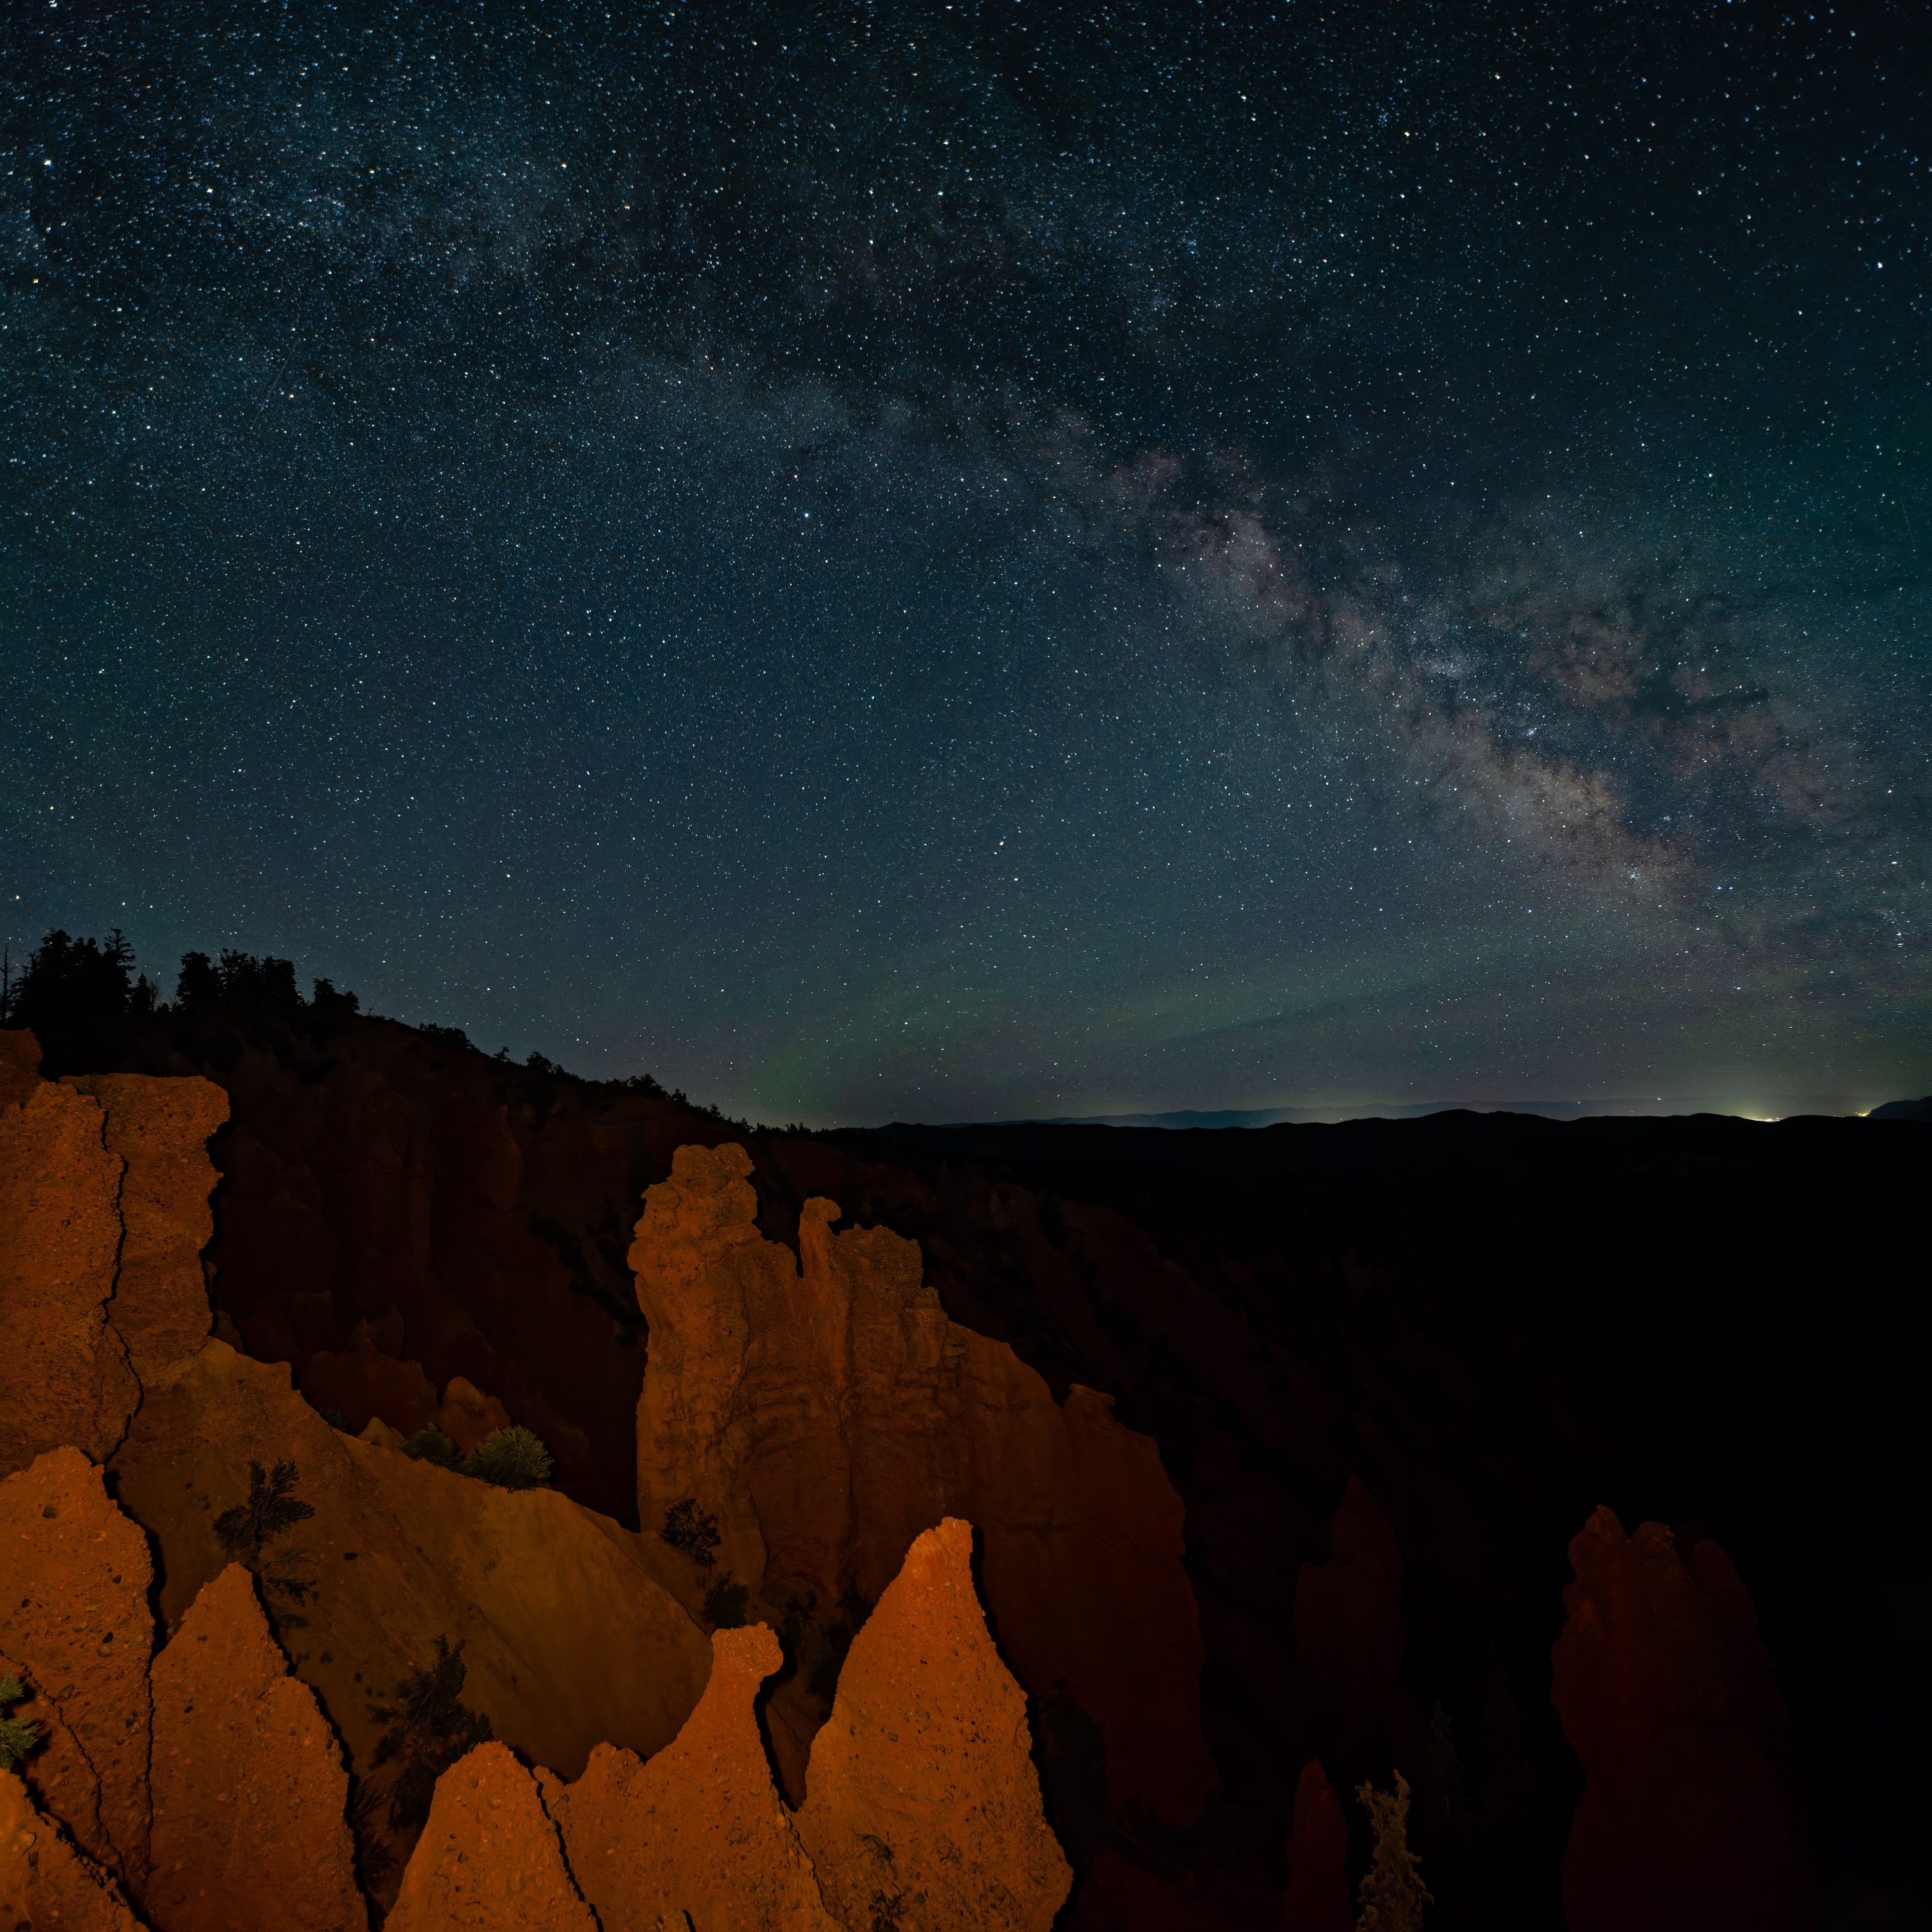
x: 952, y: 561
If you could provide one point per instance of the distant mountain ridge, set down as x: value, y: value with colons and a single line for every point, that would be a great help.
x: 1775, y: 1107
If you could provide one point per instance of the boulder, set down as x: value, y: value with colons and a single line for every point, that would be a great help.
x: 923, y: 1805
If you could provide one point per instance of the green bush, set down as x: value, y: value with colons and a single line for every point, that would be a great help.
x: 18, y: 1736
x: 512, y: 1458
x: 431, y: 1445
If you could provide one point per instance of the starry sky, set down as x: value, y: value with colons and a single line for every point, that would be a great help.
x: 958, y: 562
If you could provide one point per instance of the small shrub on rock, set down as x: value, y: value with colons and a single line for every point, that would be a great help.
x: 18, y: 1736
x: 512, y: 1458
x: 431, y: 1445
x: 430, y: 1728
x: 725, y: 1604
x: 693, y: 1530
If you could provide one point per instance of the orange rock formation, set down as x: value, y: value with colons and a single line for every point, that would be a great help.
x: 699, y: 1829
x: 826, y: 1410
x: 250, y: 1792
x: 1669, y: 1698
x: 43, y: 1881
x: 924, y: 1806
x: 208, y: 1779
x: 488, y: 1860
x: 64, y: 1376
x: 160, y: 1129
x: 74, y: 1624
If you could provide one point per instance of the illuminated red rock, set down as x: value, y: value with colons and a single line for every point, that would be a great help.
x: 64, y: 1375
x: 699, y: 1830
x: 488, y: 1860
x: 74, y: 1622
x: 1318, y: 1899
x: 1670, y: 1702
x: 826, y: 1411
x: 44, y: 1880
x: 923, y: 1803
x: 160, y: 1128
x: 1348, y: 1633
x: 250, y: 1793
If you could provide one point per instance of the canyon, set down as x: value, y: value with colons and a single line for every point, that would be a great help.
x: 1263, y: 1503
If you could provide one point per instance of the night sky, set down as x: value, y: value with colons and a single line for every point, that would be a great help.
x: 949, y: 562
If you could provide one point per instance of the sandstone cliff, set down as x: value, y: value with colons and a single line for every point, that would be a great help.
x: 825, y: 1410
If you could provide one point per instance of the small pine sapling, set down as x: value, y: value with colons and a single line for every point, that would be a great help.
x: 430, y: 1728
x: 693, y: 1530
x: 18, y: 1736
x: 271, y: 1508
x: 1392, y: 1894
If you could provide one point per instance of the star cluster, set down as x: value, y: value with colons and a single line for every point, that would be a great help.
x: 963, y: 561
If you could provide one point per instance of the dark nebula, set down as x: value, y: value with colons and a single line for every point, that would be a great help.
x: 957, y: 561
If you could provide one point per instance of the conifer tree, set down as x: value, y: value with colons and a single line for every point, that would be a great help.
x: 1392, y: 1893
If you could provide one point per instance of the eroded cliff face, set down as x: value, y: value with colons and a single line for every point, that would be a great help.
x: 64, y: 1375
x: 1668, y: 1699
x: 43, y: 1879
x: 825, y: 1410
x: 205, y: 1789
